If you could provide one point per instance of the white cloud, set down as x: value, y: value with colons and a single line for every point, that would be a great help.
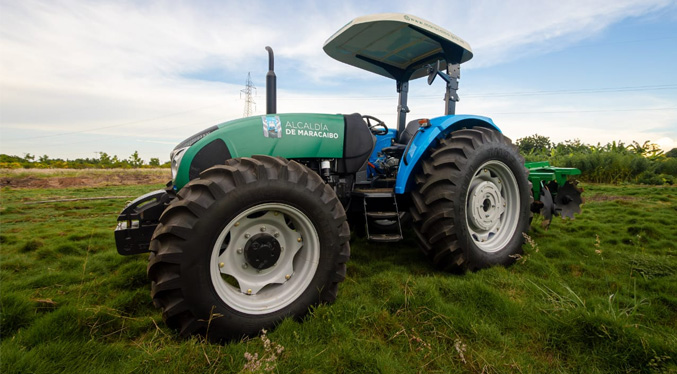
x: 591, y: 118
x: 114, y: 72
x: 502, y: 31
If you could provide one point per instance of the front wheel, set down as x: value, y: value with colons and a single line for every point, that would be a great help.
x: 471, y: 201
x: 246, y: 245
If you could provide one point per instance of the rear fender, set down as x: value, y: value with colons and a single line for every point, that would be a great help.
x: 426, y: 138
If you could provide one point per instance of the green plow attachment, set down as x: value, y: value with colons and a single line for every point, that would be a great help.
x: 555, y: 191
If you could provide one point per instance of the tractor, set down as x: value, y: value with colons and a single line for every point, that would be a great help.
x: 255, y: 225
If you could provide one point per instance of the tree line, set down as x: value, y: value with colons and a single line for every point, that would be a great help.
x: 104, y: 161
x: 614, y: 162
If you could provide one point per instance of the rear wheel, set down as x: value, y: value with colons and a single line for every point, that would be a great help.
x: 471, y: 201
x: 246, y: 245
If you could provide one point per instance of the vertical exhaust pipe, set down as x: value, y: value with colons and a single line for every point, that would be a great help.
x: 271, y: 89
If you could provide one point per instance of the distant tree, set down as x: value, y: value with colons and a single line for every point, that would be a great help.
x: 534, y: 144
x: 10, y: 159
x: 154, y: 161
x: 570, y: 147
x: 105, y: 160
x: 647, y: 149
x: 671, y: 153
x: 135, y: 160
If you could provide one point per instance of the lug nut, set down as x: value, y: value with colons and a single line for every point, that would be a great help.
x: 244, y: 266
x: 247, y: 236
x: 299, y: 240
x: 221, y: 264
x: 277, y: 234
x: 237, y: 224
x: 281, y: 249
x: 249, y: 291
x: 287, y: 277
x: 275, y: 213
x: 239, y: 251
x: 263, y: 229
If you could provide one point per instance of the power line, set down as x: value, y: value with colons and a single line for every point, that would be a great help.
x: 247, y: 111
x: 127, y: 136
x: 116, y: 125
x: 595, y: 45
x: 579, y: 91
x: 591, y: 111
x: 564, y: 111
x: 504, y: 94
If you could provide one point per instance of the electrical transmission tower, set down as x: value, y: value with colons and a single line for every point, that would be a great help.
x: 249, y: 104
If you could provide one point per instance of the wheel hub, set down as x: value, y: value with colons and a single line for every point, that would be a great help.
x: 486, y: 205
x: 262, y: 251
x: 265, y: 257
x: 493, y: 206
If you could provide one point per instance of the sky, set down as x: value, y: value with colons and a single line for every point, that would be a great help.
x: 82, y: 77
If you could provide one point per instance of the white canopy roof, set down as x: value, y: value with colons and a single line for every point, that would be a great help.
x: 397, y: 46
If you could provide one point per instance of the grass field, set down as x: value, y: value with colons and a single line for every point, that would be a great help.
x: 594, y: 295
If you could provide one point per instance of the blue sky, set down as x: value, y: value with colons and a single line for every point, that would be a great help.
x: 81, y: 77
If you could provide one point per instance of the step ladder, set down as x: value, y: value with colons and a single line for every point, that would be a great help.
x: 381, y: 215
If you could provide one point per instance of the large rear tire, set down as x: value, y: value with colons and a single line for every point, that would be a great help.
x: 471, y: 202
x: 246, y: 245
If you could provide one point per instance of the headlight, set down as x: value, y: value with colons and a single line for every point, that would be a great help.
x: 180, y: 149
x: 176, y: 157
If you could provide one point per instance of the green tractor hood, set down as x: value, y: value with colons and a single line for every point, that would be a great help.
x: 295, y: 135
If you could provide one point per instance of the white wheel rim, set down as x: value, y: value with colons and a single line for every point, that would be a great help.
x: 248, y: 290
x: 492, y: 206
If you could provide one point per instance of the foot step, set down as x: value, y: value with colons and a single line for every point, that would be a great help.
x: 385, y: 238
x: 381, y: 215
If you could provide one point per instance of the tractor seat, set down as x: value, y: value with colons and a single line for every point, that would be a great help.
x: 400, y: 144
x: 405, y: 136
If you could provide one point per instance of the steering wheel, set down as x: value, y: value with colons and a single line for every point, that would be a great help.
x: 379, y: 128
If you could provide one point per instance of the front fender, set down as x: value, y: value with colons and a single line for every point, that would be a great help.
x: 427, y: 138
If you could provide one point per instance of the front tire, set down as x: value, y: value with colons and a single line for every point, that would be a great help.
x: 246, y: 245
x: 471, y: 201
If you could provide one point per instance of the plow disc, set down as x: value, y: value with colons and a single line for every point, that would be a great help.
x: 548, y: 207
x: 568, y: 200
x: 553, y: 193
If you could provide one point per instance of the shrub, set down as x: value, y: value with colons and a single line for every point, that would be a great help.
x: 614, y: 162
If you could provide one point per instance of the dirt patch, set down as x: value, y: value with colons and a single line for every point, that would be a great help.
x: 609, y: 198
x: 96, y: 178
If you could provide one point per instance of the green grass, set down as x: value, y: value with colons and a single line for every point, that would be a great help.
x: 593, y: 295
x: 50, y: 173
